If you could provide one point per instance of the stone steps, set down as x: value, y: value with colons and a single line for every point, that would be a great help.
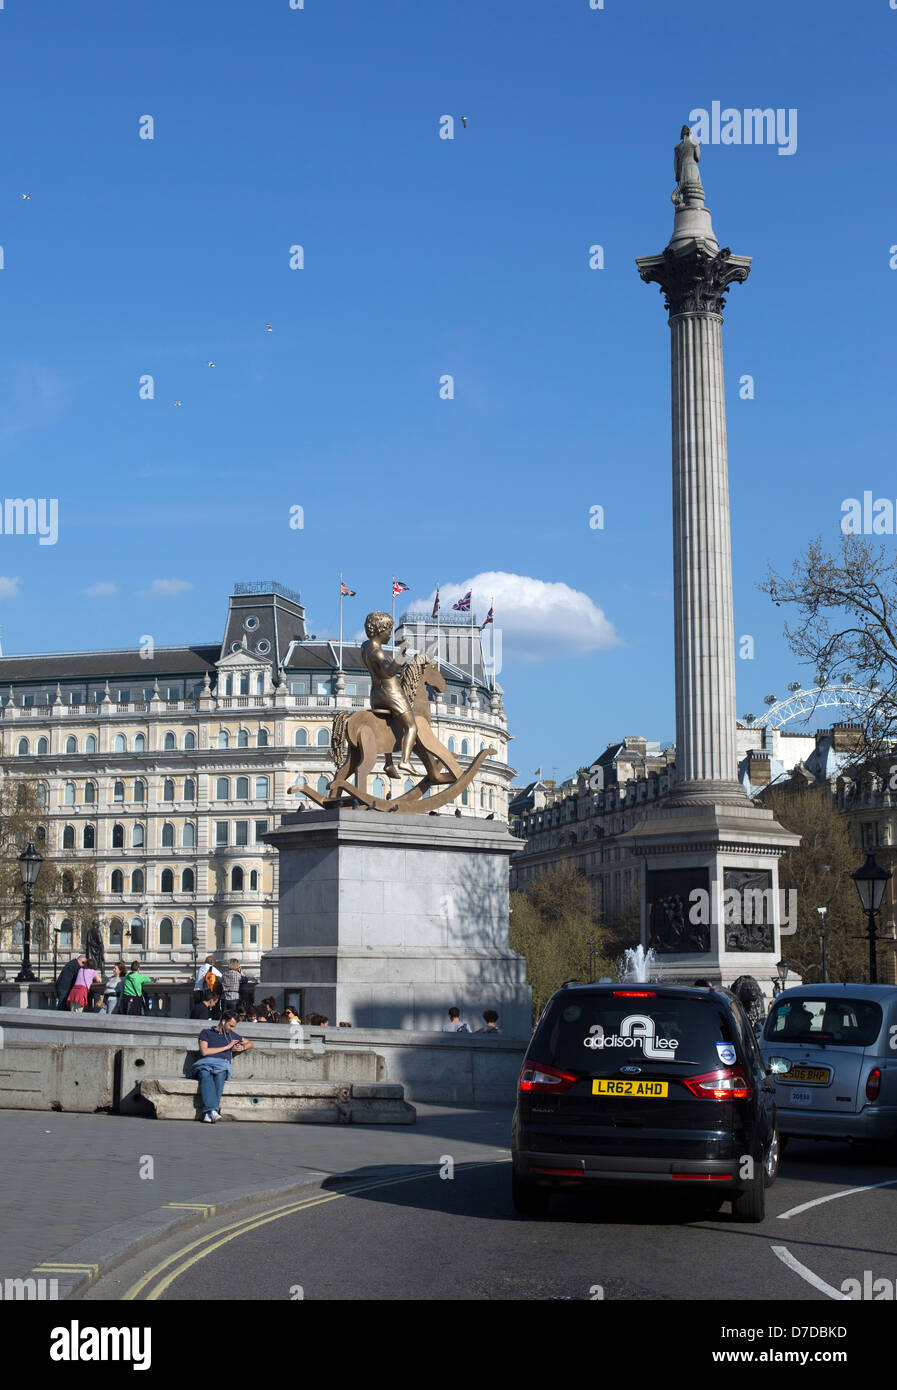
x: 290, y: 1102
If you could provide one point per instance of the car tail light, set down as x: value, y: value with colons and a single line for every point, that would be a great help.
x: 703, y: 1177
x: 635, y: 994
x: 720, y: 1085
x: 560, y: 1172
x: 873, y: 1084
x: 536, y: 1076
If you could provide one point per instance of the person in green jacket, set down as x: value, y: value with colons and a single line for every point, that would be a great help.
x: 132, y: 990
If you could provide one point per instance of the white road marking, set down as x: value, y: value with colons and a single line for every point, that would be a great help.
x: 833, y: 1197
x: 788, y: 1259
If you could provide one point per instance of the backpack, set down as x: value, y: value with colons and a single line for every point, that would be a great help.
x: 212, y: 982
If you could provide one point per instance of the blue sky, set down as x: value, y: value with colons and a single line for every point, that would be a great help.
x: 425, y: 257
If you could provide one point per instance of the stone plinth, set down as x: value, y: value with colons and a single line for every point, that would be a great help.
x: 386, y: 921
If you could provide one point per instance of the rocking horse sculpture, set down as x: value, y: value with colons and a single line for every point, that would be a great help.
x: 397, y: 723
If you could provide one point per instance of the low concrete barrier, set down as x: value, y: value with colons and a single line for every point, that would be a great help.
x: 312, y: 1102
x: 56, y: 1076
x: 462, y: 1068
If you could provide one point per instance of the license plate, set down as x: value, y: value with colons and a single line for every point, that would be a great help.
x: 801, y: 1097
x: 639, y: 1090
x: 813, y: 1074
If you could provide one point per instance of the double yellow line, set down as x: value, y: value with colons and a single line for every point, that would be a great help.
x: 153, y: 1284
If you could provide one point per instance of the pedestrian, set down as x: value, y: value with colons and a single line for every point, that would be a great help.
x: 132, y: 989
x: 66, y: 978
x: 79, y: 994
x: 213, y: 1067
x: 290, y: 1015
x: 113, y: 989
x: 323, y: 1021
x: 199, y: 984
x: 490, y: 1018
x: 455, y: 1025
x: 230, y: 984
x: 206, y: 1007
x: 96, y: 993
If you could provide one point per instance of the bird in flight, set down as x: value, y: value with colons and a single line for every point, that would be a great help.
x: 268, y: 328
x: 211, y: 364
x: 464, y: 122
x: 177, y: 402
x: 27, y: 197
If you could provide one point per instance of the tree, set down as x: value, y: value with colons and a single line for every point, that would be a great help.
x: 847, y: 606
x: 818, y: 870
x: 62, y: 884
x: 551, y: 924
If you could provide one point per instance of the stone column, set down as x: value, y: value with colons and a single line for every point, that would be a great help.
x: 694, y: 276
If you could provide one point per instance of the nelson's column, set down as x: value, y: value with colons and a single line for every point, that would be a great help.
x: 709, y: 890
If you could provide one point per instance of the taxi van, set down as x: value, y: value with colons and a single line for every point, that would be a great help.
x: 644, y: 1086
x: 831, y: 1051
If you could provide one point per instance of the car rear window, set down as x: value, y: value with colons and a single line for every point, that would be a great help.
x: 600, y: 1033
x: 836, y: 1022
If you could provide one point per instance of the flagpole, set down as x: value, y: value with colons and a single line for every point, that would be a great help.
x: 438, y: 647
x: 393, y: 615
x: 341, y: 620
x: 492, y: 638
x: 472, y: 616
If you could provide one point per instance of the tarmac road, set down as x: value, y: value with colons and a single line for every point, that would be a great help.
x: 417, y: 1235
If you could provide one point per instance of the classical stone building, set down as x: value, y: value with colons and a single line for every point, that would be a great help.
x: 164, y: 768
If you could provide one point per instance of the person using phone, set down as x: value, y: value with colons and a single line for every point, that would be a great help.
x: 213, y: 1066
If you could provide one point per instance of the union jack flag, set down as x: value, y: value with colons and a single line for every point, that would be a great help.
x: 399, y: 588
x: 489, y: 618
x: 345, y: 590
x: 436, y: 604
x: 463, y: 604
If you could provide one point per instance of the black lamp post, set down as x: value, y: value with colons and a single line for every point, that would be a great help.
x: 870, y: 881
x: 782, y: 971
x: 823, y: 937
x: 29, y: 867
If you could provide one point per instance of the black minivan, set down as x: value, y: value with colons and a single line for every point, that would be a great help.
x: 645, y: 1086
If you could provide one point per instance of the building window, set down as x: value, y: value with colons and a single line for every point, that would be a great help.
x: 251, y: 624
x: 261, y: 788
x: 167, y: 881
x: 65, y: 935
x: 43, y: 792
x: 187, y: 932
x: 71, y: 745
x: 465, y: 747
x: 117, y: 881
x: 189, y: 742
x: 253, y: 880
x: 41, y: 834
x: 490, y: 799
x: 90, y: 837
x: 118, y: 791
x: 261, y: 738
x: 451, y: 744
x: 189, y: 789
x: 300, y: 738
x: 241, y: 832
x: 254, y: 934
x: 139, y: 790
x: 138, y: 837
x: 260, y: 684
x: 166, y: 931
x: 229, y: 680
x: 244, y: 690
x: 135, y: 931
x: 351, y: 689
x: 378, y: 788
x: 90, y: 744
x: 465, y: 800
x: 222, y: 789
x: 170, y: 742
x: 236, y: 880
x: 223, y: 739
x: 188, y: 881
x: 236, y: 930
x: 261, y: 828
x: 138, y: 881
x: 116, y: 927
x: 242, y: 789
x: 168, y: 835
x: 120, y: 745
x: 68, y: 837
x: 90, y: 793
x: 482, y: 798
x: 323, y: 739
x: 243, y: 736
x: 140, y: 743
x: 118, y: 837
x: 220, y: 833
x: 23, y: 747
x: 69, y: 794
x: 188, y: 835
x: 298, y: 687
x: 322, y: 784
x: 68, y: 884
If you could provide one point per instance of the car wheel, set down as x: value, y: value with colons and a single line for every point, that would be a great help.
x: 528, y: 1199
x: 773, y: 1155
x: 750, y: 1205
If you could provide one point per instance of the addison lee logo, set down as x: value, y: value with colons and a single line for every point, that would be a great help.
x: 636, y: 1030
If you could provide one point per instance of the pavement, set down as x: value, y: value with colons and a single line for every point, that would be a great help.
x: 69, y: 1178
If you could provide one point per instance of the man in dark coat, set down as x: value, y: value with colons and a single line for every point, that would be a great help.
x: 66, y: 978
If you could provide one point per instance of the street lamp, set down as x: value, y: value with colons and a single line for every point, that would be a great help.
x: 782, y: 971
x: 823, y: 935
x: 870, y: 881
x: 29, y: 867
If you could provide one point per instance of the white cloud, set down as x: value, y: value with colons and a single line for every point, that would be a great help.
x: 96, y: 590
x: 9, y: 588
x: 539, y: 619
x: 165, y: 588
